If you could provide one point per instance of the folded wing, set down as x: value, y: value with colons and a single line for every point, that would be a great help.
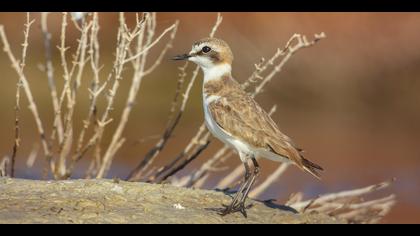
x: 239, y: 115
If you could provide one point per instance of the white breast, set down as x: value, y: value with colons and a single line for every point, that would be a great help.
x: 210, y: 122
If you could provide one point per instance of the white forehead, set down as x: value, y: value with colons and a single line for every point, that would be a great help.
x: 197, y: 48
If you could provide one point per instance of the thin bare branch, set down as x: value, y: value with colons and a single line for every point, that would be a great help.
x: 163, y: 52
x: 216, y: 25
x: 32, y: 156
x: 95, y: 90
x: 341, y: 195
x: 288, y: 51
x: 183, y: 164
x: 204, y: 169
x: 257, y: 191
x: 3, y: 166
x: 136, y: 174
x: 17, y: 102
x: 139, y: 68
x: 50, y: 71
x: 79, y: 61
x: 121, y: 51
x: 349, y: 205
x: 198, y: 139
x: 151, y: 45
x: 32, y: 105
x: 231, y: 178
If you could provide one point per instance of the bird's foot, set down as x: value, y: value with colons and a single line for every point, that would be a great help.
x: 228, y: 209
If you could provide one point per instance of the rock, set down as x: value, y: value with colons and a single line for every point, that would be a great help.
x: 108, y: 201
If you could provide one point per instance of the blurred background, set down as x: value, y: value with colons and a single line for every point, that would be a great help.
x: 351, y: 101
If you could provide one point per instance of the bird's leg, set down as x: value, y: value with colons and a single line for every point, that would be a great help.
x: 250, y: 178
x: 241, y: 204
x: 233, y: 207
x: 241, y: 207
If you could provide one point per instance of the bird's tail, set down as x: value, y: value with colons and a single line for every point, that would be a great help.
x: 295, y: 154
x: 311, y: 167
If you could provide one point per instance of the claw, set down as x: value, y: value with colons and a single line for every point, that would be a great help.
x: 229, y: 209
x: 243, y: 211
x: 226, y: 210
x: 221, y: 211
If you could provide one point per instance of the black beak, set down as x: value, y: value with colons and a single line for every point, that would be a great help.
x: 181, y: 57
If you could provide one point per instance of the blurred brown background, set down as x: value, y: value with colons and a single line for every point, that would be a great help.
x: 352, y: 101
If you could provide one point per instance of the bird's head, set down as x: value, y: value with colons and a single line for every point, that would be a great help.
x: 209, y: 53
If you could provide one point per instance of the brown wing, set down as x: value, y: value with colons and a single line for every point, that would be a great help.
x: 242, y: 117
x: 238, y: 114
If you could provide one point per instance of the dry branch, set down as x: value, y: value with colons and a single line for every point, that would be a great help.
x: 132, y: 47
x: 72, y: 85
x: 50, y: 71
x: 203, y: 171
x: 3, y: 166
x: 181, y: 166
x: 202, y: 142
x: 230, y: 179
x: 289, y: 50
x: 22, y: 78
x: 32, y: 156
x: 123, y: 44
x: 139, y: 69
x: 148, y: 159
x: 95, y: 89
x: 17, y: 102
x: 349, y: 205
x: 258, y: 190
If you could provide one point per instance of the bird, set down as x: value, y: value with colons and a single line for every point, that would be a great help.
x: 235, y: 118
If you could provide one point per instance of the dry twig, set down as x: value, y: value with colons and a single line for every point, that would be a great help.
x: 257, y: 191
x: 50, y: 71
x: 139, y: 69
x: 137, y: 172
x: 198, y: 142
x: 3, y: 166
x: 32, y: 105
x: 349, y: 205
x: 17, y: 103
x: 140, y: 38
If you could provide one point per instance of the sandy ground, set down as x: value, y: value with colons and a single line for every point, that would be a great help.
x: 110, y: 201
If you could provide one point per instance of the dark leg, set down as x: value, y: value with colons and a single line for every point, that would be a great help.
x: 244, y: 191
x: 232, y: 207
x: 254, y: 177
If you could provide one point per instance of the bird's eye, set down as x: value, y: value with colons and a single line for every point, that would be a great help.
x: 206, y: 49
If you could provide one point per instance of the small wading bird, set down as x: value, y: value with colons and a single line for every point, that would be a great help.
x: 234, y: 117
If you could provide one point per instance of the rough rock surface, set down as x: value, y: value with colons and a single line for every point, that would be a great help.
x: 109, y: 201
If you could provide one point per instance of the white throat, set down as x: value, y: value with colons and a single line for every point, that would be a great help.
x: 216, y: 72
